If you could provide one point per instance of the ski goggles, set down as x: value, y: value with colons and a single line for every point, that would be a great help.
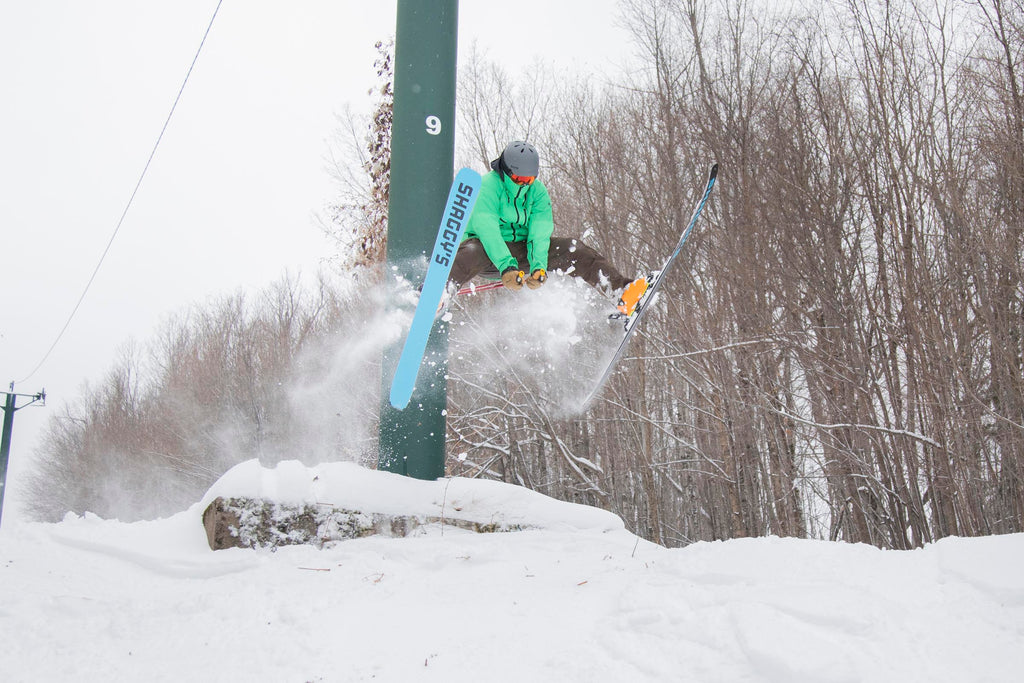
x: 522, y: 179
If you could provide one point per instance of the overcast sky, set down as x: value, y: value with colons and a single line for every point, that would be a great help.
x: 228, y: 202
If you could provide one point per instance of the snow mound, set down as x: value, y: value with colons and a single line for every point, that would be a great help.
x: 349, y: 486
x: 577, y: 599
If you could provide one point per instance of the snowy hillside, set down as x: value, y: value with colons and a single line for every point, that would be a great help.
x: 575, y: 597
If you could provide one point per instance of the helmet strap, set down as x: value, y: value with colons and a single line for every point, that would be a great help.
x: 503, y: 167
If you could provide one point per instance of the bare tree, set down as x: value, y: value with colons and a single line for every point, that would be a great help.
x: 839, y: 354
x: 359, y: 221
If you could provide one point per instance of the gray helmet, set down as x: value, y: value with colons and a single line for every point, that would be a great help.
x: 521, y: 158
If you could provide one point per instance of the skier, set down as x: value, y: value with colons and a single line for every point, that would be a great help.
x: 510, y: 230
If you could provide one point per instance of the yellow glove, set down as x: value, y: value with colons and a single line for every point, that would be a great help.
x: 513, y: 279
x: 536, y: 279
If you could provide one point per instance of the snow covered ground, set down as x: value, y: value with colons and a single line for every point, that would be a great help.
x: 574, y: 598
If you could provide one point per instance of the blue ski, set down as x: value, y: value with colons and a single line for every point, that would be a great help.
x: 631, y: 321
x: 461, y: 199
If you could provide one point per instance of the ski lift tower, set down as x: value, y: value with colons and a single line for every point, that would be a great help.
x: 412, y: 441
x: 10, y: 405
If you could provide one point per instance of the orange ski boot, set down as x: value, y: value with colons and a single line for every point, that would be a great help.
x: 632, y: 294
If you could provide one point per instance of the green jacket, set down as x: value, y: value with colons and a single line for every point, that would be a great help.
x: 506, y: 212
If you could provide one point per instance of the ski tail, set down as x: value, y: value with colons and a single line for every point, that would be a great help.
x: 712, y: 177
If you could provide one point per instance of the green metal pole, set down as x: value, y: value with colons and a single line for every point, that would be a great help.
x: 412, y: 441
x: 5, y: 444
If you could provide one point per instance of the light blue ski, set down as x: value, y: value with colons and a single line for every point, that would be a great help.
x: 461, y: 199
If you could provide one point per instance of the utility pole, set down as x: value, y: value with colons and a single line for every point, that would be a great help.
x: 412, y: 441
x: 10, y: 405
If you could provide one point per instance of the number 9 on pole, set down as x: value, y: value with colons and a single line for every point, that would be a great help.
x: 433, y: 125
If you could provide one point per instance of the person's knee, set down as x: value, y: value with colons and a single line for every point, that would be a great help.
x: 583, y: 255
x: 470, y: 261
x: 470, y: 249
x: 563, y: 253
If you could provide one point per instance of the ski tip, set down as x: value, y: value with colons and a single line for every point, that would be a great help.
x: 466, y: 174
x: 714, y: 171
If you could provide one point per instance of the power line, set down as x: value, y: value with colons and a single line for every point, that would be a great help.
x: 128, y: 206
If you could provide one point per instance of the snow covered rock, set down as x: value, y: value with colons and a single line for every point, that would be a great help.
x: 256, y: 507
x: 259, y: 523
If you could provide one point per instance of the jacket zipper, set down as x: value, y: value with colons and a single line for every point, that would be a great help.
x: 515, y: 203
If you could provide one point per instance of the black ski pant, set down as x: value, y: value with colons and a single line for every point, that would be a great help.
x: 566, y: 254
